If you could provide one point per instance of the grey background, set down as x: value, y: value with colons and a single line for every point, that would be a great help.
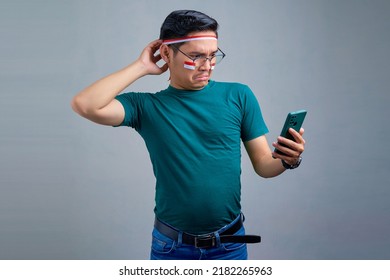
x: 70, y: 189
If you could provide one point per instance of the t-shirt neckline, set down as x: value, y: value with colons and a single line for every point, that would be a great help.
x: 176, y: 91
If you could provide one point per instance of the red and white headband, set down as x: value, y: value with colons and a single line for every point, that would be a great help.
x: 189, y: 38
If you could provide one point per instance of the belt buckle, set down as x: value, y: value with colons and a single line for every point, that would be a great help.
x: 204, y: 242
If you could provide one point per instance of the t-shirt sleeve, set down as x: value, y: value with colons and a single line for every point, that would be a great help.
x: 132, y: 103
x: 253, y: 124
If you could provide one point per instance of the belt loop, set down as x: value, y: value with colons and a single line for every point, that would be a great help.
x: 217, y: 239
x: 180, y: 239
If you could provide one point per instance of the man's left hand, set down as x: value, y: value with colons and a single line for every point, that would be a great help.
x: 292, y: 149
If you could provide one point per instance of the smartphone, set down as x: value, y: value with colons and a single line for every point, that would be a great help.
x: 293, y: 120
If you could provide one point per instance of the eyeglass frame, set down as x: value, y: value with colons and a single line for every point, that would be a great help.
x: 201, y: 56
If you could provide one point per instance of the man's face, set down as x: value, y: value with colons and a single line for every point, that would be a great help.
x: 187, y: 79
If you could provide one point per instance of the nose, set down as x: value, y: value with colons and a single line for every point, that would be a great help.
x: 206, y: 64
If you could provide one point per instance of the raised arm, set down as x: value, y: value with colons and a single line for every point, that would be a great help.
x: 97, y: 102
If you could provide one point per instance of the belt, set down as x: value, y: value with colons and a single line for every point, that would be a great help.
x: 208, y: 240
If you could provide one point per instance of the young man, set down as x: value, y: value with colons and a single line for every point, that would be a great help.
x: 192, y: 131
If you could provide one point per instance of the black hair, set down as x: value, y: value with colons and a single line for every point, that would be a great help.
x: 182, y: 22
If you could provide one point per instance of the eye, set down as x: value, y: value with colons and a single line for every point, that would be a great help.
x: 199, y: 56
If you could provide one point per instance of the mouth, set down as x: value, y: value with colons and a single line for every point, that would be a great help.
x: 202, y: 78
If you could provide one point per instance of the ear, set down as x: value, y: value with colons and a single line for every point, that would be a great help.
x: 165, y: 53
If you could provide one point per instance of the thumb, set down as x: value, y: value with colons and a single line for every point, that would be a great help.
x: 164, y: 68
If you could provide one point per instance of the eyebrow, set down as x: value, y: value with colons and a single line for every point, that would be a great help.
x: 202, y: 53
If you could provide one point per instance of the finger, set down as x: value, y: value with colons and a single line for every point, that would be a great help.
x: 153, y: 46
x: 164, y: 68
x: 157, y: 70
x: 156, y: 44
x: 157, y: 58
x: 296, y: 135
x: 290, y: 159
x: 286, y: 157
x: 280, y: 156
x: 290, y: 147
x: 287, y: 151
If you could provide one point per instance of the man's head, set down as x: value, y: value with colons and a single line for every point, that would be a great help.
x: 186, y: 35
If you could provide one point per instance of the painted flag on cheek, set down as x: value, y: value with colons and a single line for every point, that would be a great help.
x: 189, y: 65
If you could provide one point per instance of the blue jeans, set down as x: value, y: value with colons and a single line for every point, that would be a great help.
x: 165, y: 248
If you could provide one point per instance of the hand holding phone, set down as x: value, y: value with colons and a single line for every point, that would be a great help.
x: 294, y: 120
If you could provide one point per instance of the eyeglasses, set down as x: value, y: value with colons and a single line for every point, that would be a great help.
x: 199, y: 60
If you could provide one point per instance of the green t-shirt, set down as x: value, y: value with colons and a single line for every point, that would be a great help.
x: 193, y: 139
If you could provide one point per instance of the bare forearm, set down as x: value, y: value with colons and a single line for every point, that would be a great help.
x: 103, y: 91
x: 269, y: 167
x: 261, y: 156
